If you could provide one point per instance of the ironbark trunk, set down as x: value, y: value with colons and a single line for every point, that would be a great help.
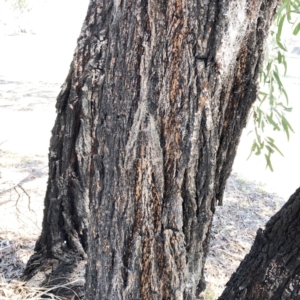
x: 147, y: 128
x: 272, y: 268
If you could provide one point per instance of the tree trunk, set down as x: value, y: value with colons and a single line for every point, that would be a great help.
x: 272, y: 268
x: 148, y: 124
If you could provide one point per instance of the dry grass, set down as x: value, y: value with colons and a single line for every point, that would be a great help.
x: 15, y: 250
x: 19, y: 291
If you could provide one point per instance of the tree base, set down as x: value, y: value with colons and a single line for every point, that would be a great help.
x: 64, y: 277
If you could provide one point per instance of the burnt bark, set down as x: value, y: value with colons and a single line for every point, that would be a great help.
x: 271, y: 270
x: 148, y: 124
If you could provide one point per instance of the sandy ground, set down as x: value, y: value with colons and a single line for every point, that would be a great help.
x: 33, y: 66
x: 35, y: 54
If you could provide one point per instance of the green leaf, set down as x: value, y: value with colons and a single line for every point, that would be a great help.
x: 254, y: 145
x: 297, y: 29
x: 270, y: 114
x: 258, y: 138
x: 263, y: 93
x: 278, y: 115
x: 279, y: 31
x: 286, y: 126
x: 277, y: 79
x: 269, y: 65
x: 286, y: 129
x: 264, y: 96
x: 288, y: 109
x: 259, y: 117
x: 270, y: 149
x: 288, y: 11
x: 285, y: 95
x: 295, y: 6
x: 280, y: 9
x: 284, y: 64
x: 270, y: 141
x: 271, y: 121
x: 269, y: 164
x: 281, y: 46
x: 279, y: 57
x: 258, y: 151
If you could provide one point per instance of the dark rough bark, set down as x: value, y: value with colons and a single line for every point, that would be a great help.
x: 61, y: 249
x: 177, y: 86
x: 272, y: 268
x: 147, y: 128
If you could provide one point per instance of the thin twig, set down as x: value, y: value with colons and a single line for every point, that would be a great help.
x: 18, y: 197
x: 15, y: 185
x: 20, y: 182
x: 27, y: 196
x: 4, y: 202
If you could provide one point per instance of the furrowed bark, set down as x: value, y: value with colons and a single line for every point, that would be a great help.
x: 60, y: 252
x: 147, y: 128
x: 272, y: 268
x: 171, y: 109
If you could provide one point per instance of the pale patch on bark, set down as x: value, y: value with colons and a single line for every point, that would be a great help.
x: 233, y: 33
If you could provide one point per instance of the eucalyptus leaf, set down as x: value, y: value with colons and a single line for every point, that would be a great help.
x: 297, y: 29
x: 279, y: 31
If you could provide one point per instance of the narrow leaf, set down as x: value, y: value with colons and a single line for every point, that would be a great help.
x: 269, y: 164
x: 274, y: 146
x: 279, y: 31
x: 259, y: 117
x: 254, y: 145
x: 258, y: 151
x: 287, y: 123
x: 286, y: 128
x: 279, y: 57
x: 278, y: 79
x: 284, y: 64
x: 285, y: 95
x: 289, y: 109
x: 281, y: 46
x: 271, y: 121
x: 270, y: 149
x: 288, y: 11
x: 297, y: 29
x: 280, y: 9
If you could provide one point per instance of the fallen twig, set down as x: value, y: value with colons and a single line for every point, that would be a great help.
x: 27, y: 196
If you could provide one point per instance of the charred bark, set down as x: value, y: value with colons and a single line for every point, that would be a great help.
x: 60, y: 252
x: 167, y: 133
x: 272, y: 268
x: 147, y: 128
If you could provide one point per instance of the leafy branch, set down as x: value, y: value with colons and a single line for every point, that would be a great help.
x: 269, y: 111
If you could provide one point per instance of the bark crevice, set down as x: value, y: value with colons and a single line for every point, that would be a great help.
x: 144, y: 142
